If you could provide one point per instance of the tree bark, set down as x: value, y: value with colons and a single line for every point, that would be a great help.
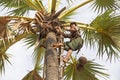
x: 51, y: 58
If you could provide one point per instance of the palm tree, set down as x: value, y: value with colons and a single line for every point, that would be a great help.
x: 103, y: 32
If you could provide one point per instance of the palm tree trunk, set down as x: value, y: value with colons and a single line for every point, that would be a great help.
x: 51, y: 60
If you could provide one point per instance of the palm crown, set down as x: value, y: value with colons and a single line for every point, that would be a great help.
x: 103, y: 31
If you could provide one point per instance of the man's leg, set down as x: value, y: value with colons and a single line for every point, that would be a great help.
x: 67, y: 56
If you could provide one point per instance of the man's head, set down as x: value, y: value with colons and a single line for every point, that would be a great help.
x: 73, y: 23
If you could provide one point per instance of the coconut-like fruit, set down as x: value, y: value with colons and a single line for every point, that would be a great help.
x: 82, y: 60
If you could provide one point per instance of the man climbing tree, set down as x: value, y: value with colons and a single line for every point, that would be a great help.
x: 75, y: 43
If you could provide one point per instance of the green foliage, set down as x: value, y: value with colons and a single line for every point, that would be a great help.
x: 35, y: 4
x: 32, y: 75
x: 38, y: 54
x: 106, y: 26
x: 21, y: 10
x: 68, y: 16
x: 87, y: 72
x: 12, y: 3
x: 3, y: 59
x: 53, y: 6
x: 8, y: 37
x: 4, y: 46
x: 73, y: 8
x: 32, y: 41
x: 21, y: 7
x: 70, y: 1
x: 102, y: 5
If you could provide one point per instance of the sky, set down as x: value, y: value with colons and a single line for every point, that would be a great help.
x: 22, y: 63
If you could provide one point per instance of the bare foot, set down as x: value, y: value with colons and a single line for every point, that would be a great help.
x: 65, y: 60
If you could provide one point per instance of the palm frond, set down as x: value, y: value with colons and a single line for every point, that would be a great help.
x: 32, y: 41
x: 102, y: 5
x: 68, y: 16
x: 39, y: 51
x: 69, y: 11
x: 95, y: 69
x: 38, y: 54
x: 40, y: 4
x: 12, y: 25
x: 106, y: 26
x: 87, y: 72
x: 12, y: 3
x: 49, y: 6
x: 53, y: 6
x: 70, y: 1
x: 3, y: 27
x: 20, y: 11
x: 4, y: 46
x: 21, y: 25
x: 32, y: 75
x: 7, y: 38
x: 35, y: 4
x: 3, y: 59
x: 21, y: 7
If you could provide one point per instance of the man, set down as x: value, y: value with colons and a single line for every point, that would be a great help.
x: 75, y: 43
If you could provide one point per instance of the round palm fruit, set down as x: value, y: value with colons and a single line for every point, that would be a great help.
x: 79, y: 67
x: 82, y: 60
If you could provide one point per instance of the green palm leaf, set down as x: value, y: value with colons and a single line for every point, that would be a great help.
x: 101, y: 5
x: 35, y: 4
x: 87, y: 72
x: 12, y: 3
x: 3, y: 59
x: 71, y: 10
x: 38, y: 55
x: 68, y: 18
x: 7, y: 38
x: 20, y: 11
x: 106, y: 26
x: 21, y: 7
x: 3, y: 56
x: 53, y: 6
x: 32, y: 75
x: 70, y: 1
x: 94, y: 68
x: 32, y: 41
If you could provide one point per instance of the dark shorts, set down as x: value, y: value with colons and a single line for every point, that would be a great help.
x: 74, y: 44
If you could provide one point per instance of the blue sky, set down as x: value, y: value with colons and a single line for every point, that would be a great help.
x: 22, y: 62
